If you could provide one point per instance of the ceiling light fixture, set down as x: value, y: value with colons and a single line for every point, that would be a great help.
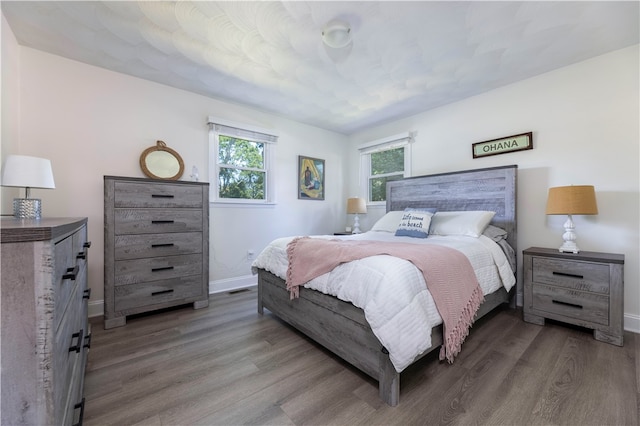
x: 336, y: 34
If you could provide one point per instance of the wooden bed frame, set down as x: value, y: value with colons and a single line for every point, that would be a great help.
x: 341, y: 327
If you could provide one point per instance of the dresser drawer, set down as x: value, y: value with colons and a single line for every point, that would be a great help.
x: 143, y: 195
x: 156, y: 268
x: 575, y: 275
x: 152, y: 245
x: 585, y: 306
x: 162, y: 291
x: 150, y: 221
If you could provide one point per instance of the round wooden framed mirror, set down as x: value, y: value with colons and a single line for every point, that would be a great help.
x: 161, y: 162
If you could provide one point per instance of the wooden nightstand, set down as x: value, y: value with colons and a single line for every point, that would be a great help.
x: 584, y: 289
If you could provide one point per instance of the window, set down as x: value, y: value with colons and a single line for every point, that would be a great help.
x: 241, y: 163
x: 383, y: 161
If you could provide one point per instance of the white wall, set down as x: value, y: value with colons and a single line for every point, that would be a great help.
x: 92, y: 122
x: 585, y: 123
x: 10, y: 91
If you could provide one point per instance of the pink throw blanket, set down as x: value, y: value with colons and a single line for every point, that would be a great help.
x: 448, y: 273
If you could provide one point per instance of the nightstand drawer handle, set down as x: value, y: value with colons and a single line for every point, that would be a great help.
x: 564, y: 274
x: 155, y: 222
x: 164, y: 268
x: 156, y: 293
x: 162, y: 245
x: 161, y: 196
x: 572, y: 305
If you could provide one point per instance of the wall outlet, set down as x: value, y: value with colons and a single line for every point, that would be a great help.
x: 251, y: 254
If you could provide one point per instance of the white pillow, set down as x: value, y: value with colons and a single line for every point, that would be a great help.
x: 415, y: 223
x: 470, y: 223
x: 389, y: 222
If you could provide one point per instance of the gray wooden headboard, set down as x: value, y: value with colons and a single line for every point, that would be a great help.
x: 492, y: 189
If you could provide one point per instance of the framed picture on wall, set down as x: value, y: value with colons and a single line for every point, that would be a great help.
x: 310, y: 178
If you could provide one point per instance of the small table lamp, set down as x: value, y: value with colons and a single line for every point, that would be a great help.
x: 27, y: 172
x: 570, y: 200
x: 356, y: 206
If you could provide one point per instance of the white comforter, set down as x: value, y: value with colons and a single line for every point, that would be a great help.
x: 392, y: 291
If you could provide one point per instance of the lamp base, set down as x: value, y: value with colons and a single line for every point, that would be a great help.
x: 569, y: 237
x: 569, y: 247
x: 27, y: 208
x: 356, y: 225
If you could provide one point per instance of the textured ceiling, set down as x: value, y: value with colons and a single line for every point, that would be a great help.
x: 406, y: 57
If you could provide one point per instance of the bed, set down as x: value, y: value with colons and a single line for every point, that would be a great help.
x: 342, y: 327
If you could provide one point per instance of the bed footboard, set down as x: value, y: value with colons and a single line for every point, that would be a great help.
x: 337, y: 325
x: 342, y: 328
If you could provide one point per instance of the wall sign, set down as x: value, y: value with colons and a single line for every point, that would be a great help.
x: 503, y: 145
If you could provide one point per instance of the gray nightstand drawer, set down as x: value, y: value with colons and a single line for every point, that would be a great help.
x: 593, y: 277
x: 573, y: 304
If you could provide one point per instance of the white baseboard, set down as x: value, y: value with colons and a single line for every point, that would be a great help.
x: 632, y: 323
x: 231, y: 284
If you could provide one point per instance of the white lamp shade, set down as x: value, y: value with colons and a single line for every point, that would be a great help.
x: 27, y: 172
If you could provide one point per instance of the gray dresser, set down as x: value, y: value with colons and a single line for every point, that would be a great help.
x: 45, y: 330
x: 156, y: 246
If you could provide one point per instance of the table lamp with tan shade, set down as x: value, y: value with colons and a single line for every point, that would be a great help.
x: 570, y: 200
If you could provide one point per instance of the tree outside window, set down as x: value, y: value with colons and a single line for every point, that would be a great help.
x: 241, y: 168
x: 241, y: 163
x: 385, y: 166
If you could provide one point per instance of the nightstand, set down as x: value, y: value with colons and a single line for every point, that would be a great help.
x: 585, y: 289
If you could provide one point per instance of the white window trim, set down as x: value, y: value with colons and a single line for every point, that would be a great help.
x: 270, y: 138
x: 366, y: 149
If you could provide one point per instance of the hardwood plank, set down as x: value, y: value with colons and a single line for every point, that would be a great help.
x: 229, y: 365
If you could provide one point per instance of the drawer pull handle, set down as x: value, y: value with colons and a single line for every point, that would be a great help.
x: 82, y: 255
x: 157, y: 293
x: 79, y: 405
x: 565, y: 274
x: 87, y: 244
x: 71, y: 273
x: 164, y: 268
x: 155, y: 222
x: 162, y: 245
x: 87, y: 341
x: 86, y: 294
x: 76, y: 348
x: 560, y: 302
x: 161, y: 196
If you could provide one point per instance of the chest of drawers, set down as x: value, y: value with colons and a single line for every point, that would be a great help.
x: 45, y: 329
x: 156, y: 249
x: 584, y: 289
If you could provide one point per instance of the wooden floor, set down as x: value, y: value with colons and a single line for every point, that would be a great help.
x: 227, y: 365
